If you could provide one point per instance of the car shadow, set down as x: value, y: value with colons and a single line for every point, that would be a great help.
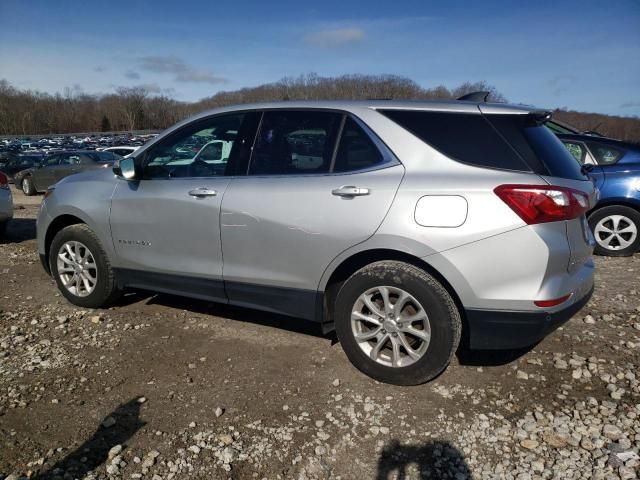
x: 95, y: 451
x: 490, y: 358
x: 431, y: 460
x: 241, y: 314
x: 19, y: 230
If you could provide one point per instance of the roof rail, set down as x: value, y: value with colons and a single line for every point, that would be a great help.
x: 480, y: 96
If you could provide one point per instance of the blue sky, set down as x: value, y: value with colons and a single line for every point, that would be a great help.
x: 584, y: 55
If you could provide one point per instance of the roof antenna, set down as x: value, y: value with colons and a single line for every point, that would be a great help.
x: 480, y: 96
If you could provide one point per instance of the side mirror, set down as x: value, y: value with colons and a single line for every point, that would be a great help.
x: 126, y: 168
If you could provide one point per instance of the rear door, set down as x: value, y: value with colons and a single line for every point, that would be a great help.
x: 318, y: 183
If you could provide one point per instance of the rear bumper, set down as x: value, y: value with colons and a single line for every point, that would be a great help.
x: 503, y: 330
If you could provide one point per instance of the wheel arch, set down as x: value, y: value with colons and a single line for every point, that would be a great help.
x: 616, y: 202
x: 54, y: 227
x: 353, y: 263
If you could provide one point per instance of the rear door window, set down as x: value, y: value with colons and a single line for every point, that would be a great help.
x: 605, y: 154
x: 356, y: 150
x: 294, y: 142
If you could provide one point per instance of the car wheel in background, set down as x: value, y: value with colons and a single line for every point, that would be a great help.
x: 81, y: 268
x: 27, y: 186
x: 616, y: 229
x: 397, y: 323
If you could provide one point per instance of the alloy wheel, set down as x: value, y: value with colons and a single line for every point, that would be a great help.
x: 615, y: 232
x: 390, y: 326
x: 77, y: 268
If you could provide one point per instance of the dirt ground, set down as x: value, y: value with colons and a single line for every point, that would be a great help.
x: 163, y: 387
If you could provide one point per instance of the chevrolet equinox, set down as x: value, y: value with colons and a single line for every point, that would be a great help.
x: 407, y: 227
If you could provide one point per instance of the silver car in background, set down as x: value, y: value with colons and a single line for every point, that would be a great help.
x: 407, y: 227
x: 6, y: 203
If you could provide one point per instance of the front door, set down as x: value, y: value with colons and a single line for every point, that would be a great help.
x: 165, y: 227
x: 303, y: 202
x: 44, y: 176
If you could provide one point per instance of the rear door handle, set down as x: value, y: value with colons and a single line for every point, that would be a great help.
x: 202, y: 192
x: 350, y: 191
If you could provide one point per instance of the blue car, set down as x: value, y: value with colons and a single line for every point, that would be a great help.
x: 615, y: 168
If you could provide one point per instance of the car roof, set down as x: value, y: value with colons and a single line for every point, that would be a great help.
x: 592, y: 138
x: 375, y: 104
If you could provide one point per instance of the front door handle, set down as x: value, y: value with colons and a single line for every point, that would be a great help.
x: 202, y: 192
x: 350, y: 191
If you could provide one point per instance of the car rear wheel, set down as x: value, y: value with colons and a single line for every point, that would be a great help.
x: 81, y: 268
x: 616, y: 229
x: 397, y: 323
x: 27, y: 186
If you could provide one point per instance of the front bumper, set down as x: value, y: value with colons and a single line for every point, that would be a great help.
x: 504, y: 330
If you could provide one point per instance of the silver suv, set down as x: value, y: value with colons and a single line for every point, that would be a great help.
x: 406, y: 227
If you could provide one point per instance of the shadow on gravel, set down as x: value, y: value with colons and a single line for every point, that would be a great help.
x: 428, y: 461
x: 95, y: 451
x: 241, y: 314
x: 490, y: 358
x: 19, y: 230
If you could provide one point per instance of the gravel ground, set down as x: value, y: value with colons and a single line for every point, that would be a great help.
x: 161, y: 387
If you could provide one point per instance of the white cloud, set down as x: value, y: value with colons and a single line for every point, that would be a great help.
x: 183, y: 72
x: 335, y: 37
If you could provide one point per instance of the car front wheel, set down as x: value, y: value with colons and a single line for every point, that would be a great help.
x: 616, y: 229
x: 397, y: 323
x: 81, y: 268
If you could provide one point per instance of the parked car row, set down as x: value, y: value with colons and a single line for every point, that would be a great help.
x: 90, y: 142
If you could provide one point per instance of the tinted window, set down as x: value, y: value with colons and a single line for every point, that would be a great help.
x: 466, y: 137
x: 295, y: 142
x: 605, y: 154
x: 537, y: 145
x: 71, y: 159
x: 356, y: 150
x: 103, y: 157
x: 179, y: 154
x: 51, y: 161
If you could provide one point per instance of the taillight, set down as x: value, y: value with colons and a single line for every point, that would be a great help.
x: 543, y: 203
x: 4, y: 181
x: 551, y: 303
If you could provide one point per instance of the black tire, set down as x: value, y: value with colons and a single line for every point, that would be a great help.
x: 106, y: 291
x: 3, y: 229
x: 444, y: 319
x: 631, y: 216
x: 27, y: 187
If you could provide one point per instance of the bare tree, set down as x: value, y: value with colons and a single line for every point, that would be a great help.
x: 133, y: 102
x: 130, y: 108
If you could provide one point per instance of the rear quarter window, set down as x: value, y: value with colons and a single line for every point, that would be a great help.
x: 465, y: 137
x: 517, y: 142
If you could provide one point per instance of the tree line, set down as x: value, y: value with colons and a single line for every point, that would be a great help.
x: 31, y: 112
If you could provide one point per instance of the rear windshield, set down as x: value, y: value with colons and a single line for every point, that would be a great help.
x: 506, y: 142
